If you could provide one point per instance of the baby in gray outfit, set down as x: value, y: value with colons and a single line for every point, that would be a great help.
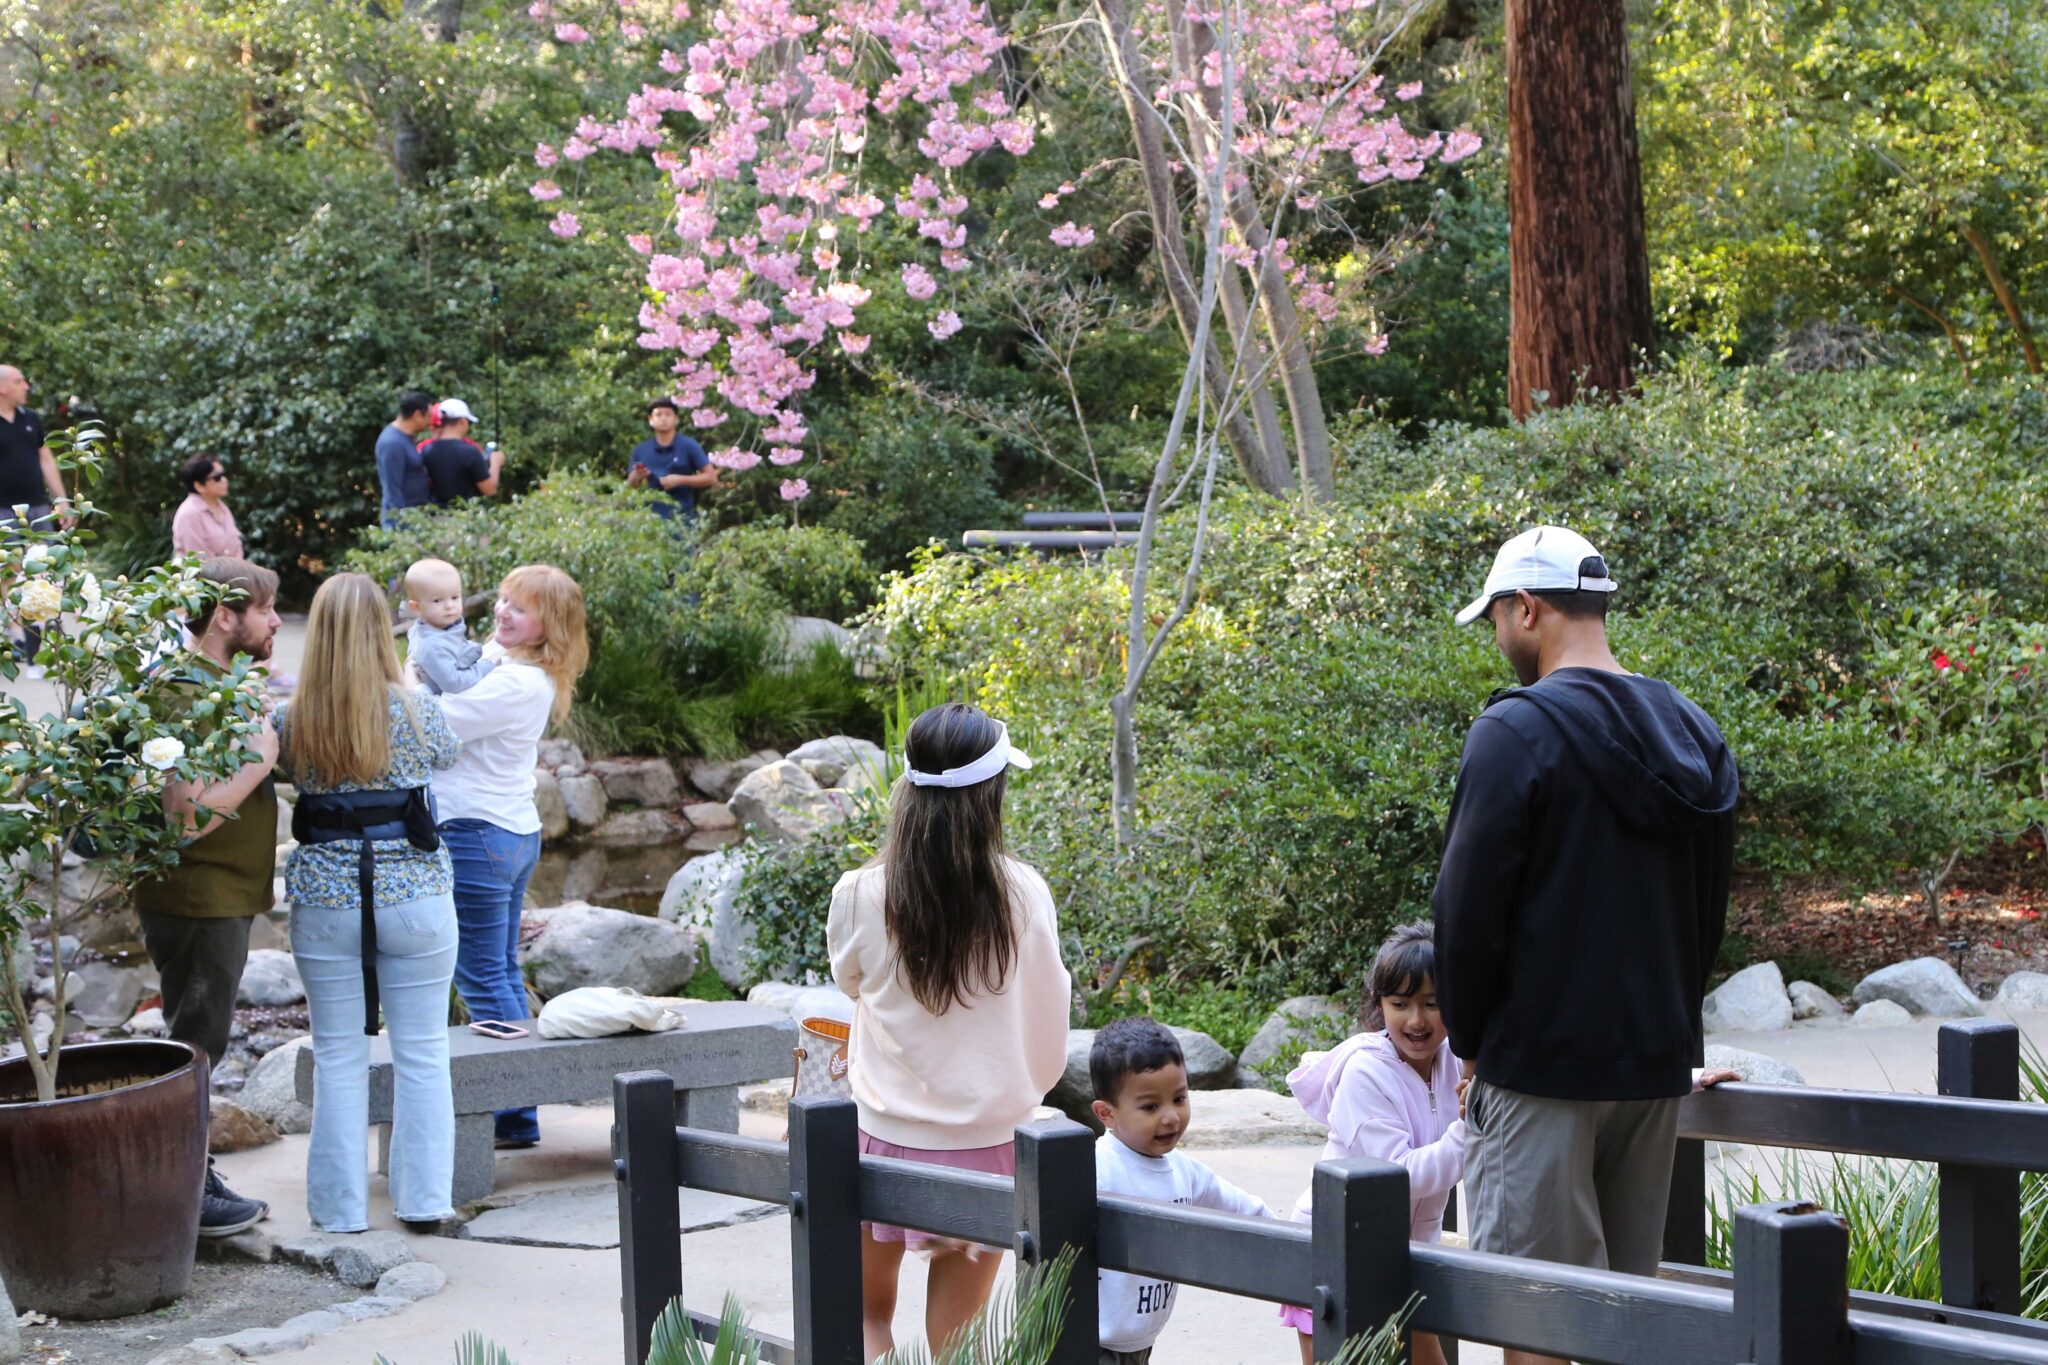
x: 438, y: 645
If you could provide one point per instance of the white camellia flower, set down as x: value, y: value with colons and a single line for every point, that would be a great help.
x: 41, y: 600
x: 35, y: 558
x: 89, y: 589
x: 163, y: 751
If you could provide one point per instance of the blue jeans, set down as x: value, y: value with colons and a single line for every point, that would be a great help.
x: 415, y: 959
x: 492, y: 866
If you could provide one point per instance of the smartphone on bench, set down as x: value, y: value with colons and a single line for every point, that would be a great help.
x: 497, y: 1028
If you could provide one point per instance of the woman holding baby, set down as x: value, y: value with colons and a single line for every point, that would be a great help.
x: 487, y: 814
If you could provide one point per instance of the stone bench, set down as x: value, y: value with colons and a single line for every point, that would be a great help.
x: 723, y: 1046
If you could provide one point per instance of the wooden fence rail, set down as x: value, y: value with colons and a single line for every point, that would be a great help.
x: 1354, y: 1266
x: 1973, y: 1129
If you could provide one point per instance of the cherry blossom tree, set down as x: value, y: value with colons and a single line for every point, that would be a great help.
x: 763, y: 259
x: 1253, y: 125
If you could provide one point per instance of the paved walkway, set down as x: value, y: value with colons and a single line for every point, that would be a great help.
x: 560, y: 1307
x: 285, y: 655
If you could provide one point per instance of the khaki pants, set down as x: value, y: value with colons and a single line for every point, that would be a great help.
x: 1583, y: 1182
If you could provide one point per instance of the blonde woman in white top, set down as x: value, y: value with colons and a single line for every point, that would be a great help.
x: 950, y: 951
x: 487, y: 814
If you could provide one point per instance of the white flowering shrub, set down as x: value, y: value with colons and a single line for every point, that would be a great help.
x: 88, y: 770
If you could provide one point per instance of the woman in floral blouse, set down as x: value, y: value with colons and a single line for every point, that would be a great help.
x: 354, y: 728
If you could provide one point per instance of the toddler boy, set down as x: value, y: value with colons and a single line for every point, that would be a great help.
x: 438, y: 645
x: 1141, y: 1097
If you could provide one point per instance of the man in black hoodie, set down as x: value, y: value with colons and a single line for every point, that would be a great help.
x: 1582, y: 898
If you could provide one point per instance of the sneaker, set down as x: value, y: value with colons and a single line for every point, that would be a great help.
x: 223, y: 1213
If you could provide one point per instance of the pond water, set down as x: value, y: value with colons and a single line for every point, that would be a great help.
x: 622, y: 878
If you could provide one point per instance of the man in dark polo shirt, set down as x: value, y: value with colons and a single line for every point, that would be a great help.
x: 672, y: 463
x: 456, y: 466
x: 29, y: 480
x: 196, y: 915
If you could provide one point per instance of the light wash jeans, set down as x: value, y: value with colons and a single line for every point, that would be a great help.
x: 492, y: 867
x: 415, y: 963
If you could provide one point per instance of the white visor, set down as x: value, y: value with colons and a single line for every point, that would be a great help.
x: 999, y: 757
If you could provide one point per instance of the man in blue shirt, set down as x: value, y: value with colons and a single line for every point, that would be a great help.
x: 674, y: 464
x: 401, y: 474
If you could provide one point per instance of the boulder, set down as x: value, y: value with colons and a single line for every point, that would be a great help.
x: 412, y: 1280
x: 547, y: 798
x: 271, y: 978
x: 862, y: 780
x: 710, y: 816
x: 232, y: 1128
x: 702, y: 894
x: 2023, y: 991
x: 583, y: 799
x: 272, y: 929
x: 24, y: 962
x: 1300, y: 1022
x: 1075, y: 1091
x: 1754, y: 1066
x: 1751, y: 1001
x: 589, y: 945
x: 647, y: 828
x: 148, y: 1023
x: 1811, y: 1002
x: 272, y: 1090
x: 45, y: 987
x: 802, y: 636
x: 638, y: 781
x: 366, y: 1257
x: 1210, y: 1065
x: 720, y: 780
x: 828, y: 759
x: 784, y: 804
x: 108, y: 994
x: 802, y: 1002
x: 1926, y: 985
x: 1249, y: 1118
x: 1882, y: 1014
x: 560, y: 753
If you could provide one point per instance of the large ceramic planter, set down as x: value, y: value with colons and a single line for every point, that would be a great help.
x: 99, y: 1188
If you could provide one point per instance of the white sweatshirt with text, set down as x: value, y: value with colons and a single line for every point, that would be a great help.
x: 1134, y: 1308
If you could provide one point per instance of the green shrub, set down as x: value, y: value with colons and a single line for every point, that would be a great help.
x: 682, y: 660
x: 812, y: 570
x: 786, y: 892
x: 1300, y: 734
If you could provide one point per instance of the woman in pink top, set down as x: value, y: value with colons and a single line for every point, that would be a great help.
x: 950, y: 951
x: 203, y: 525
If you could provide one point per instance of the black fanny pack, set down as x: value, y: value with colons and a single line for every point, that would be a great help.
x: 369, y: 816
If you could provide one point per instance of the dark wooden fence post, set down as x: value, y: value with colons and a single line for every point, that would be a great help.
x: 1056, y: 1210
x: 650, y: 1220
x: 824, y: 1229
x: 1360, y: 1249
x: 1685, y: 1215
x: 1980, y: 1209
x: 1792, y: 1284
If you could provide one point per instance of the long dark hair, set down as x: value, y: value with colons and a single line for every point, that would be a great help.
x: 946, y: 893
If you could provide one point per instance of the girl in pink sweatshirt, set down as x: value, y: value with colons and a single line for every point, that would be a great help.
x: 1392, y: 1093
x: 950, y: 952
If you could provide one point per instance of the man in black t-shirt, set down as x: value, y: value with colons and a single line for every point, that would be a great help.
x: 29, y: 479
x: 456, y: 466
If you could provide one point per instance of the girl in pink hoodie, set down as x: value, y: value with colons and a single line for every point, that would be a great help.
x: 1392, y: 1093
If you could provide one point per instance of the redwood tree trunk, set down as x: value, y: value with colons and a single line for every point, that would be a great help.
x: 1579, y: 272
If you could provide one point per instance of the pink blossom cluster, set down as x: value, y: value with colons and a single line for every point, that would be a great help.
x: 758, y: 130
x: 1312, y: 122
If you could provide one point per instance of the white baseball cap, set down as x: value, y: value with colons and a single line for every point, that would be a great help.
x: 1547, y: 559
x: 454, y: 409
